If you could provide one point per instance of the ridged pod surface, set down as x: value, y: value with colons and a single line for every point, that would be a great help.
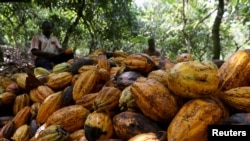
x: 53, y: 133
x: 59, y: 80
x: 193, y: 79
x: 51, y: 104
x: 192, y: 120
x: 20, y: 102
x: 40, y: 93
x: 234, y: 72
x: 21, y: 133
x: 152, y: 94
x: 107, y: 99
x: 237, y: 98
x: 85, y: 83
x: 98, y: 126
x: 70, y: 117
x: 139, y: 61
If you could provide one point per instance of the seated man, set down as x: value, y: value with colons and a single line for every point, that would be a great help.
x: 151, y: 50
x: 47, y: 49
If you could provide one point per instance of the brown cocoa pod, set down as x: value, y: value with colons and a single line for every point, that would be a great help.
x: 8, y: 130
x: 67, y: 96
x: 4, y: 120
x: 129, y: 124
x: 7, y: 97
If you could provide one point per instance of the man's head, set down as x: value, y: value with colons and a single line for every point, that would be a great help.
x: 47, y: 28
x: 151, y: 43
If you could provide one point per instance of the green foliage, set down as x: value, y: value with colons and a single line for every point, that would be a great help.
x: 85, y: 25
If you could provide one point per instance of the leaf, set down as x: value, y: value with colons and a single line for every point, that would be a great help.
x: 31, y: 82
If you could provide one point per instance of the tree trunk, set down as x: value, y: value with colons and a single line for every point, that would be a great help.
x: 74, y: 24
x: 216, y: 30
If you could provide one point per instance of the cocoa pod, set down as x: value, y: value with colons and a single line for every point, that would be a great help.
x: 140, y: 62
x: 40, y: 93
x: 68, y: 117
x: 59, y: 80
x: 194, y: 117
x: 53, y: 133
x: 107, y: 99
x: 85, y: 83
x: 21, y: 133
x: 152, y: 94
x: 49, y: 105
x: 237, y: 98
x: 22, y: 117
x: 129, y: 124
x: 8, y: 130
x: 98, y: 126
x: 7, y: 97
x: 87, y: 101
x: 20, y: 102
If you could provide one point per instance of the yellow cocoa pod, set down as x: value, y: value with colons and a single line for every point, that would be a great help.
x: 85, y: 83
x: 21, y: 79
x: 40, y: 93
x: 22, y: 133
x: 77, y: 135
x: 98, y: 126
x: 192, y: 120
x: 71, y: 117
x: 140, y: 62
x: 61, y: 67
x: 20, y: 102
x: 48, y: 106
x: 103, y: 62
x: 234, y: 71
x: 39, y: 71
x: 147, y: 92
x: 53, y: 133
x: 107, y: 99
x: 59, y: 80
x: 237, y: 98
x: 87, y: 101
x: 193, y: 79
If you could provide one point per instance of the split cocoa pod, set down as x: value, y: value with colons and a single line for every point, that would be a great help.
x: 194, y: 79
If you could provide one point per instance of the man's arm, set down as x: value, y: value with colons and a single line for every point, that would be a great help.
x: 41, y: 54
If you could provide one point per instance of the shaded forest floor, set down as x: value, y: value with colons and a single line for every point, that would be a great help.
x: 15, y: 61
